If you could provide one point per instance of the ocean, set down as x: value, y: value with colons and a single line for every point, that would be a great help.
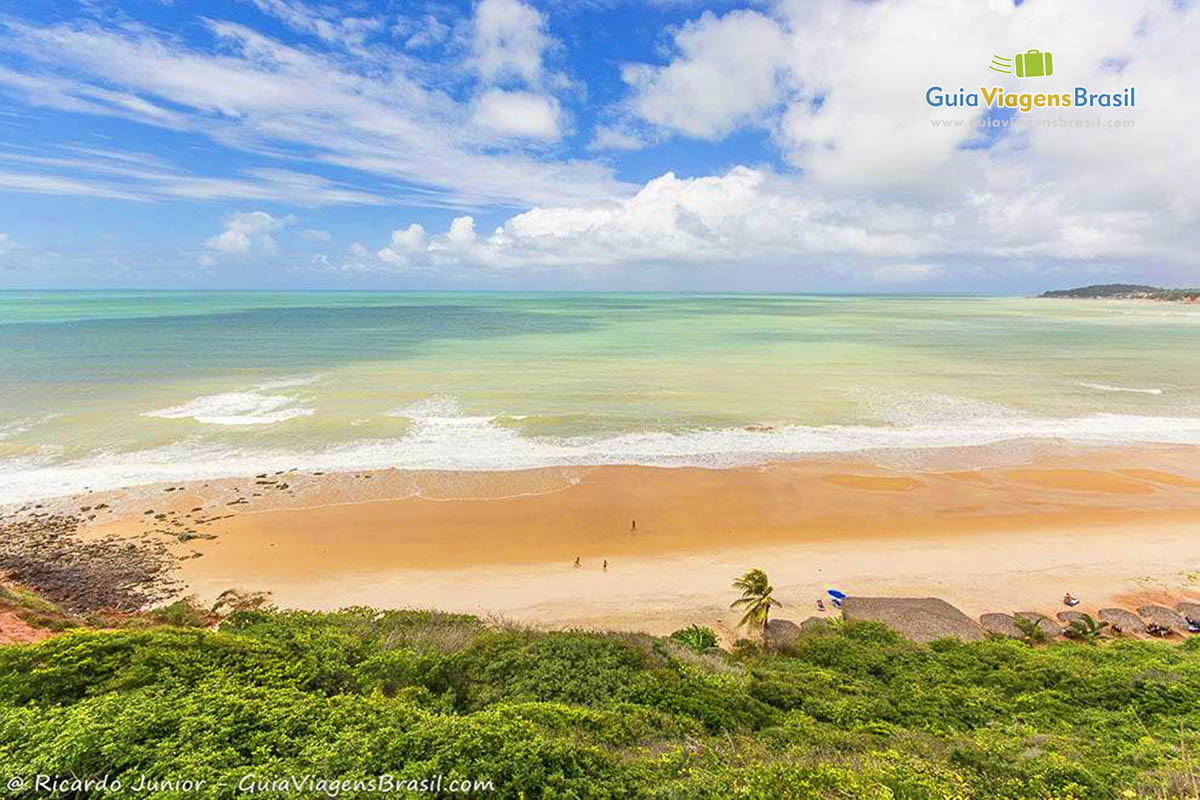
x: 106, y: 389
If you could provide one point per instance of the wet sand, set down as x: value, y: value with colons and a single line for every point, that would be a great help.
x: 1105, y: 525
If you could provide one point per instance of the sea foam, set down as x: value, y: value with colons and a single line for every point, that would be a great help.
x: 478, y: 443
x: 1104, y: 387
x: 235, y: 408
x: 254, y: 406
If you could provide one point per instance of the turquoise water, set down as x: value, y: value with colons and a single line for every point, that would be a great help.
x: 100, y: 389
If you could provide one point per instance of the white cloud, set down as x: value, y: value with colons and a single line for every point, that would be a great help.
x: 904, y: 273
x: 840, y: 88
x: 359, y: 250
x: 509, y: 38
x: 423, y: 33
x: 324, y: 23
x: 874, y: 193
x: 614, y: 138
x: 726, y: 73
x: 518, y: 113
x: 248, y: 232
x: 406, y: 243
x: 31, y: 183
x: 8, y: 244
x: 758, y: 220
x: 461, y: 235
x: 364, y: 109
x: 316, y: 235
x: 140, y: 176
x: 743, y: 216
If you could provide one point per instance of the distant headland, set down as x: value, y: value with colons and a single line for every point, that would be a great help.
x: 1127, y: 291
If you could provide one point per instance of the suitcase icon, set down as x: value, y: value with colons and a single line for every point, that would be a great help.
x: 1034, y: 64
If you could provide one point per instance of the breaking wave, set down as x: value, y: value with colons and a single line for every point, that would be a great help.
x: 480, y: 444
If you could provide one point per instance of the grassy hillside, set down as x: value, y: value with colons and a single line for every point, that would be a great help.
x: 852, y: 712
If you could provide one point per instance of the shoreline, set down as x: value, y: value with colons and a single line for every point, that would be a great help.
x: 1112, y: 526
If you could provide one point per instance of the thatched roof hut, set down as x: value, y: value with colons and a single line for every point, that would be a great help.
x: 1122, y: 621
x: 922, y: 619
x: 781, y: 632
x: 1002, y: 624
x: 1048, y: 626
x: 1164, y: 616
x: 1188, y: 609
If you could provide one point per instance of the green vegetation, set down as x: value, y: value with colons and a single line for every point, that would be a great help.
x: 755, y: 602
x: 848, y: 711
x: 1031, y: 629
x: 698, y: 637
x: 1126, y: 291
x: 1085, y: 629
x: 33, y: 610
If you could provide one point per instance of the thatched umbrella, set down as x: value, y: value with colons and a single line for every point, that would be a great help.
x: 1122, y: 621
x: 1002, y: 624
x: 1166, y: 617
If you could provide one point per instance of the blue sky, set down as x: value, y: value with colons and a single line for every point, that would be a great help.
x: 594, y: 145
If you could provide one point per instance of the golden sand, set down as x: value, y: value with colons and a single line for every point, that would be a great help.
x: 875, y: 483
x: 1080, y: 480
x: 994, y: 539
x: 1158, y: 476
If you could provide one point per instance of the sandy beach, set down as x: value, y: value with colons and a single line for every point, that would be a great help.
x: 1114, y: 527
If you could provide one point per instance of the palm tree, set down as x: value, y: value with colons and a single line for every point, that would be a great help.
x: 1031, y: 629
x: 1086, y: 629
x: 756, y: 599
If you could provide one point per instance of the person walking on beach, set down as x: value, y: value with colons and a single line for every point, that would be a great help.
x: 633, y: 526
x: 606, y: 565
x: 577, y: 564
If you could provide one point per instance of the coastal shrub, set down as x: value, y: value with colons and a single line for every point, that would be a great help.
x: 696, y: 637
x: 183, y: 613
x: 76, y: 664
x: 852, y: 712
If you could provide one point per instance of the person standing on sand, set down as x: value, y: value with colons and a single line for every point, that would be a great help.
x: 633, y: 526
x: 606, y: 565
x: 577, y: 564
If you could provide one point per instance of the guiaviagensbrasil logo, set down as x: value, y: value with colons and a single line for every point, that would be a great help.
x: 1028, y: 64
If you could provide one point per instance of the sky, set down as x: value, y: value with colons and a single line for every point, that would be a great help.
x: 593, y: 145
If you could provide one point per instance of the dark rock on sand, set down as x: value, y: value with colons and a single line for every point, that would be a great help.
x: 1002, y: 624
x: 922, y: 619
x: 1122, y: 621
x: 1163, y: 616
x: 1048, y: 626
x: 781, y: 632
x: 47, y: 555
x: 189, y: 535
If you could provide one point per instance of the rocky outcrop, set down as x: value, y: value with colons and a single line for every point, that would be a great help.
x: 922, y: 619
